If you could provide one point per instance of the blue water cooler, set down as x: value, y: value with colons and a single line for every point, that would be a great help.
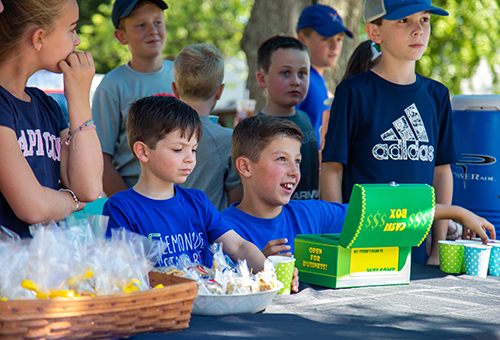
x: 476, y: 176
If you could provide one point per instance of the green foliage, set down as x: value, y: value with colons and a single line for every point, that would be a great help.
x: 220, y: 22
x: 459, y: 41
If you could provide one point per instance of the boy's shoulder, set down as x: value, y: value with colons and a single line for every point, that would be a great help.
x: 215, y: 129
x: 132, y: 198
x: 368, y: 80
x: 126, y: 72
x: 123, y: 75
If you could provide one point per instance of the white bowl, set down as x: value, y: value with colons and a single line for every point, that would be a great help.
x: 233, y: 304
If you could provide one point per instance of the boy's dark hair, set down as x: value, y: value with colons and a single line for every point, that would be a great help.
x: 268, y: 47
x: 151, y: 118
x: 253, y: 134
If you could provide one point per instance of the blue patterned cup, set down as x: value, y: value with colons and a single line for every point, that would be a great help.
x: 477, y: 258
x: 494, y: 265
x: 463, y: 242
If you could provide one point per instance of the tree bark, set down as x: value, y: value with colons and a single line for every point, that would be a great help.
x: 271, y: 17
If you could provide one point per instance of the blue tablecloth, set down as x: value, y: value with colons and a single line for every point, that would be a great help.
x: 434, y: 305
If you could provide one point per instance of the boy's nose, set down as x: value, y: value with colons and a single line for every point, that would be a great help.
x: 418, y: 30
x: 190, y: 158
x: 77, y: 41
x: 294, y: 170
x: 153, y: 30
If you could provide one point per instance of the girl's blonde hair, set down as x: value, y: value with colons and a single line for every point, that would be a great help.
x: 20, y: 16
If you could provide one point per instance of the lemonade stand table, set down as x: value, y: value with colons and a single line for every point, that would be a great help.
x: 434, y: 306
x: 383, y: 222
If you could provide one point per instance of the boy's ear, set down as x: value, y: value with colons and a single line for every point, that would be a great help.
x: 302, y: 38
x: 243, y: 166
x: 261, y: 79
x: 174, y: 90
x: 373, y: 33
x: 121, y: 37
x: 141, y: 152
x: 218, y: 94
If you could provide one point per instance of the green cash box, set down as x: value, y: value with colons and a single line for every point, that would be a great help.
x: 382, y: 223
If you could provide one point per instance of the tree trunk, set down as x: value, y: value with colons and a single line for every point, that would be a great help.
x: 271, y: 17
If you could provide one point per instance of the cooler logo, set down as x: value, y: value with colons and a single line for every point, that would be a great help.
x: 469, y: 159
x: 408, y: 137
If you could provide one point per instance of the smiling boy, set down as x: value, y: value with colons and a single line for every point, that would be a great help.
x: 390, y: 123
x: 283, y: 72
x: 140, y: 24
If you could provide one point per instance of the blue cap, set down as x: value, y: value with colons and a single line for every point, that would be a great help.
x: 122, y: 9
x: 397, y: 9
x: 324, y: 20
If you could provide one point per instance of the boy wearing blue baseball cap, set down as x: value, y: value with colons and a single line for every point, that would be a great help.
x: 140, y: 24
x: 390, y: 123
x: 322, y: 30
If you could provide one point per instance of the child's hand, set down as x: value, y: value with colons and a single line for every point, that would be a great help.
x: 295, y: 280
x: 476, y: 225
x: 275, y: 247
x: 78, y: 70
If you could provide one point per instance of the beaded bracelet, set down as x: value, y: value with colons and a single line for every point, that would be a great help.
x: 77, y: 201
x: 85, y: 126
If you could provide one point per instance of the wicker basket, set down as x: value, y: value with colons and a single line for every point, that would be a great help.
x: 102, y: 317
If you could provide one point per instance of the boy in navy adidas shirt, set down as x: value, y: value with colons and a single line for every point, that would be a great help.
x: 390, y: 123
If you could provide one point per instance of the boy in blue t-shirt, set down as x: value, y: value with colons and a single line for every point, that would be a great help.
x: 266, y: 155
x: 390, y: 123
x: 283, y: 72
x: 163, y: 134
x: 322, y: 30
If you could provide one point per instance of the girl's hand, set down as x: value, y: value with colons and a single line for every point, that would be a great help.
x: 78, y: 70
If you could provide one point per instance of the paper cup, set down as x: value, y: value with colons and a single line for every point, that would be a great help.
x: 283, y: 265
x: 245, y: 108
x: 477, y: 258
x: 494, y: 264
x: 451, y: 257
x: 213, y: 118
x: 463, y: 253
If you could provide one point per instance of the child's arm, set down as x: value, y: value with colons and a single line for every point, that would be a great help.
x: 29, y: 200
x: 275, y: 247
x: 239, y: 249
x: 468, y: 219
x: 113, y: 182
x: 443, y: 184
x: 330, y: 182
x: 81, y: 160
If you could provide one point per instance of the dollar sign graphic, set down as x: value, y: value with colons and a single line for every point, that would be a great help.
x: 369, y: 222
x: 382, y: 219
x: 375, y: 220
x: 418, y: 219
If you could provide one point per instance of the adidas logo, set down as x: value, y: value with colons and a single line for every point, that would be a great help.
x: 408, y: 137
